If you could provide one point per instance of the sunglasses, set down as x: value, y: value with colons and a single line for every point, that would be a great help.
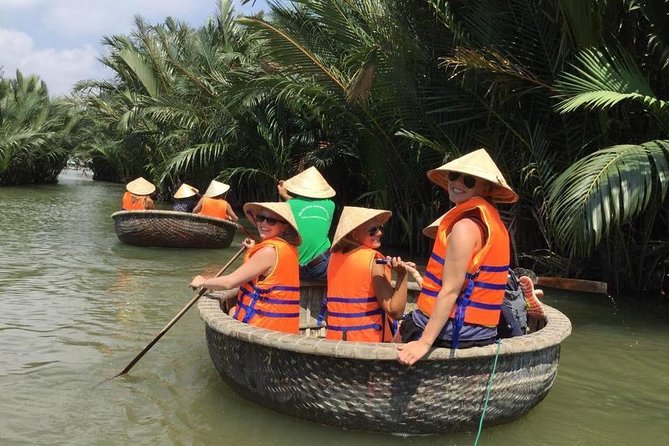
x: 374, y: 229
x: 468, y: 180
x: 270, y: 221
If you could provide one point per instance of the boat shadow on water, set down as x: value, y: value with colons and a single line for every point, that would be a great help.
x: 358, y: 385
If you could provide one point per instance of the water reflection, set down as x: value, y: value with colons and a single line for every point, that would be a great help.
x: 76, y: 306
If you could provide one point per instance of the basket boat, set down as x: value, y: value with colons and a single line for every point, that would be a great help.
x: 172, y: 229
x: 356, y: 385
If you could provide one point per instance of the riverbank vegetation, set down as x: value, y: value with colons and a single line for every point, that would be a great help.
x: 568, y: 96
x: 35, y: 132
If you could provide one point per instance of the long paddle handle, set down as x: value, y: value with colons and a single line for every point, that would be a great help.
x: 176, y: 318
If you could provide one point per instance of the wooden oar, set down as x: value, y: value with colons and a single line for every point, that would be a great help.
x: 588, y: 286
x: 176, y: 318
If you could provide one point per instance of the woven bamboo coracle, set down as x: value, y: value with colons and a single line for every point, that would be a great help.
x: 171, y: 229
x: 361, y: 386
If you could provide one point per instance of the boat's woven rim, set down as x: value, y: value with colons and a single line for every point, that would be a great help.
x: 557, y: 328
x: 172, y: 214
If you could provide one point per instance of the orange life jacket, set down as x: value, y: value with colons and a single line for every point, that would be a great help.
x: 132, y: 202
x: 274, y: 301
x: 214, y: 207
x: 352, y: 307
x: 481, y: 296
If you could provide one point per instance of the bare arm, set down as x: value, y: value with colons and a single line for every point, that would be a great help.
x: 392, y: 300
x: 231, y: 214
x: 261, y: 263
x: 198, y: 206
x: 149, y: 204
x: 463, y: 242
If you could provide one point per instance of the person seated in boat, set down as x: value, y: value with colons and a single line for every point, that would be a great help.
x: 520, y: 297
x: 513, y: 312
x: 269, y: 278
x: 308, y: 195
x: 361, y: 302
x: 186, y: 198
x: 463, y: 285
x: 214, y: 204
x: 138, y: 195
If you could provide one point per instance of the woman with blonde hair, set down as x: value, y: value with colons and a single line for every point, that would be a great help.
x: 361, y: 302
x: 464, y: 282
x: 269, y: 278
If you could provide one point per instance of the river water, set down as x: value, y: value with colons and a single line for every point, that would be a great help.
x: 76, y: 306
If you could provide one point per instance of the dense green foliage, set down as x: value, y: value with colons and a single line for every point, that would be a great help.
x: 567, y: 96
x: 34, y: 132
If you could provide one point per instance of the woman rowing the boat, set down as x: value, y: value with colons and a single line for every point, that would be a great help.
x: 463, y: 286
x: 214, y: 204
x: 138, y: 195
x: 361, y: 301
x: 269, y: 278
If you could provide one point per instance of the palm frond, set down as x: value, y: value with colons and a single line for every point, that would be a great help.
x: 606, y: 189
x: 602, y: 79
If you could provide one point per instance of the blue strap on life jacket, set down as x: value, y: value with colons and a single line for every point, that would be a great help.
x: 461, y: 305
x: 250, y: 310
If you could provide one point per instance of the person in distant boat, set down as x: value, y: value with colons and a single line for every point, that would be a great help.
x: 137, y: 196
x: 186, y: 198
x: 463, y: 286
x: 213, y: 203
x: 269, y: 278
x: 308, y: 195
x: 361, y: 302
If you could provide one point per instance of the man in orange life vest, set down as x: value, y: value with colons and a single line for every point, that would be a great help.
x: 137, y: 196
x: 463, y: 286
x: 213, y: 202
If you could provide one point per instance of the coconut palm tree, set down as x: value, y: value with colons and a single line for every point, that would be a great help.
x: 34, y: 132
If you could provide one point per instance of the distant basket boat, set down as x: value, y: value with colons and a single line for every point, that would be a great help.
x: 361, y: 386
x: 172, y: 229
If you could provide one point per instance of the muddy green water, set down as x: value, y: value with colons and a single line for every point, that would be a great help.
x: 76, y: 306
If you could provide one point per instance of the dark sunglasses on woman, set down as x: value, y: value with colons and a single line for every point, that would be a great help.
x: 468, y: 180
x: 374, y: 229
x: 270, y: 221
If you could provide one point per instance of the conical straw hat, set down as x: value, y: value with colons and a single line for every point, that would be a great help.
x: 140, y: 186
x: 478, y: 164
x: 185, y: 191
x: 280, y: 208
x: 309, y: 183
x: 216, y: 188
x: 352, y: 217
x: 431, y: 230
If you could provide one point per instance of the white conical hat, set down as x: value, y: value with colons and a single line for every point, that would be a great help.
x: 185, y: 191
x: 280, y: 208
x: 352, y: 217
x: 478, y: 164
x: 309, y: 183
x: 216, y: 188
x: 431, y: 230
x: 140, y: 186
